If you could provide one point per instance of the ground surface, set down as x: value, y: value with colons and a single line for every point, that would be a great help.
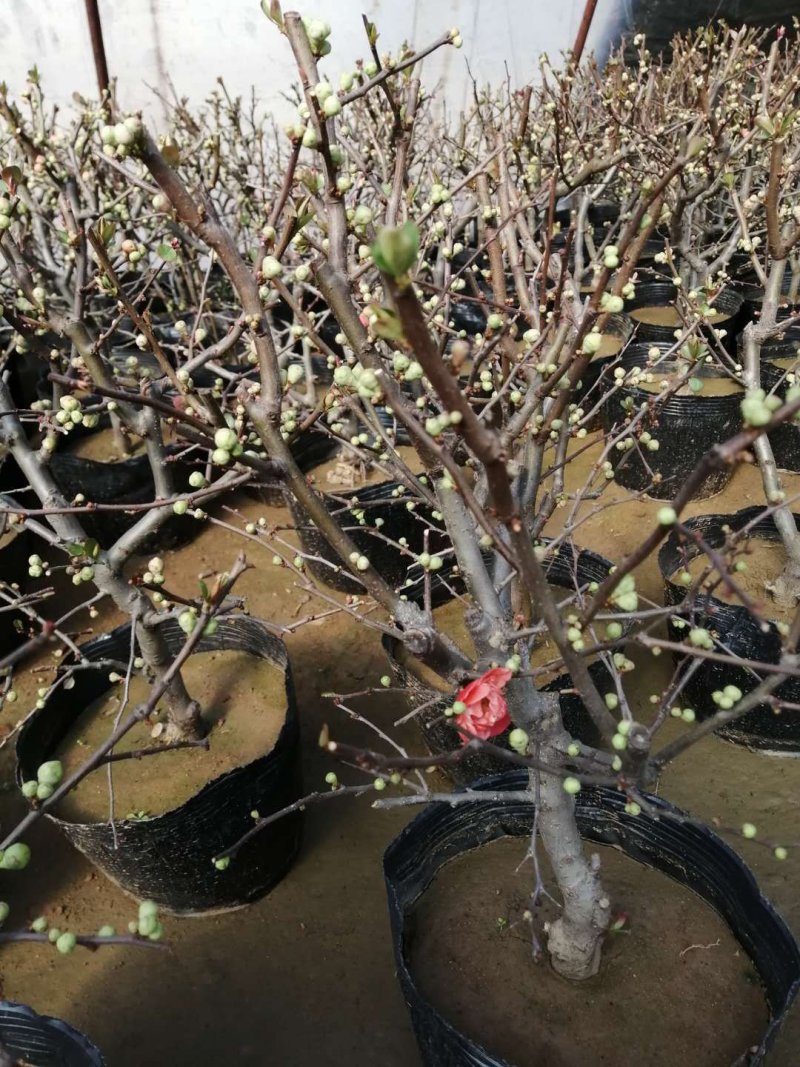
x: 306, y: 975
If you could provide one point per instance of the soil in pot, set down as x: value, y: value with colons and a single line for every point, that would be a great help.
x: 244, y: 702
x: 765, y: 560
x: 669, y: 315
x: 689, y: 386
x: 674, y: 974
x: 345, y: 472
x: 103, y: 446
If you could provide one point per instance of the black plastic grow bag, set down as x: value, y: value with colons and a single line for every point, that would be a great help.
x: 390, y: 560
x: 566, y: 568
x: 663, y: 294
x: 785, y: 439
x: 737, y: 633
x: 127, y: 481
x: 589, y: 392
x: 169, y: 858
x: 13, y: 568
x: 691, y: 855
x: 42, y: 1041
x: 686, y: 427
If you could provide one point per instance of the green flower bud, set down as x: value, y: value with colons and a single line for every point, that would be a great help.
x: 16, y: 857
x: 518, y: 740
x: 66, y: 943
x: 396, y: 248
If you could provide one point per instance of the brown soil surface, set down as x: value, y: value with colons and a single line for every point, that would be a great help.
x: 711, y: 386
x: 341, y: 473
x: 765, y: 560
x: 787, y: 363
x: 610, y: 344
x: 669, y: 316
x: 244, y: 704
x: 675, y: 983
x: 102, y: 446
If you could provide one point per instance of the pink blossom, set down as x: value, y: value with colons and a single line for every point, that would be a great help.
x: 486, y: 713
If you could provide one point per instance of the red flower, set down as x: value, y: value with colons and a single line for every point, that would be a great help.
x: 486, y: 714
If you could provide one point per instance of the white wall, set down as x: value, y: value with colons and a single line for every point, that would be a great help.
x: 194, y: 41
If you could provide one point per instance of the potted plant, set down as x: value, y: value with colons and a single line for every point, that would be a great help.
x: 363, y: 224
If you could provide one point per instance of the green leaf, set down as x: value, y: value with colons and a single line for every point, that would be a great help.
x: 372, y: 32
x: 386, y: 323
x: 106, y: 230
x: 12, y: 176
x: 171, y: 153
x: 272, y: 9
x: 89, y: 547
x: 167, y: 252
x: 396, y: 249
x: 204, y: 591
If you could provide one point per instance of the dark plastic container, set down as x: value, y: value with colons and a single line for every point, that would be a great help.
x: 14, y: 568
x: 310, y: 448
x: 590, y: 392
x: 785, y: 440
x: 566, y: 569
x: 663, y: 294
x: 169, y: 858
x: 691, y: 855
x: 737, y: 633
x: 390, y: 560
x: 127, y: 481
x: 42, y: 1041
x: 686, y: 427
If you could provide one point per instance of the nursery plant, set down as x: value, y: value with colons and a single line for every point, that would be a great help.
x: 442, y: 309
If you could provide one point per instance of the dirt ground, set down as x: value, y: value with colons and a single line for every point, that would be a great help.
x: 306, y: 975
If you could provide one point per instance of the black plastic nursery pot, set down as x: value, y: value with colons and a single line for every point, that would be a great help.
x: 14, y: 552
x: 685, y: 427
x: 309, y: 449
x: 691, y: 855
x: 662, y: 295
x: 736, y: 633
x: 616, y: 334
x: 566, y: 568
x: 357, y: 511
x: 126, y: 481
x: 42, y: 1041
x: 169, y: 858
x: 785, y: 440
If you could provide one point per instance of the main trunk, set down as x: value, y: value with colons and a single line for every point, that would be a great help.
x: 575, y: 939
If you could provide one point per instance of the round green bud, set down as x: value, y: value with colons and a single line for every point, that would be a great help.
x: 40, y: 925
x: 29, y: 789
x: 518, y: 740
x: 106, y: 931
x: 571, y: 786
x: 667, y: 516
x: 66, y: 943
x: 16, y: 857
x: 50, y: 773
x: 197, y: 480
x: 748, y: 830
x: 225, y: 438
